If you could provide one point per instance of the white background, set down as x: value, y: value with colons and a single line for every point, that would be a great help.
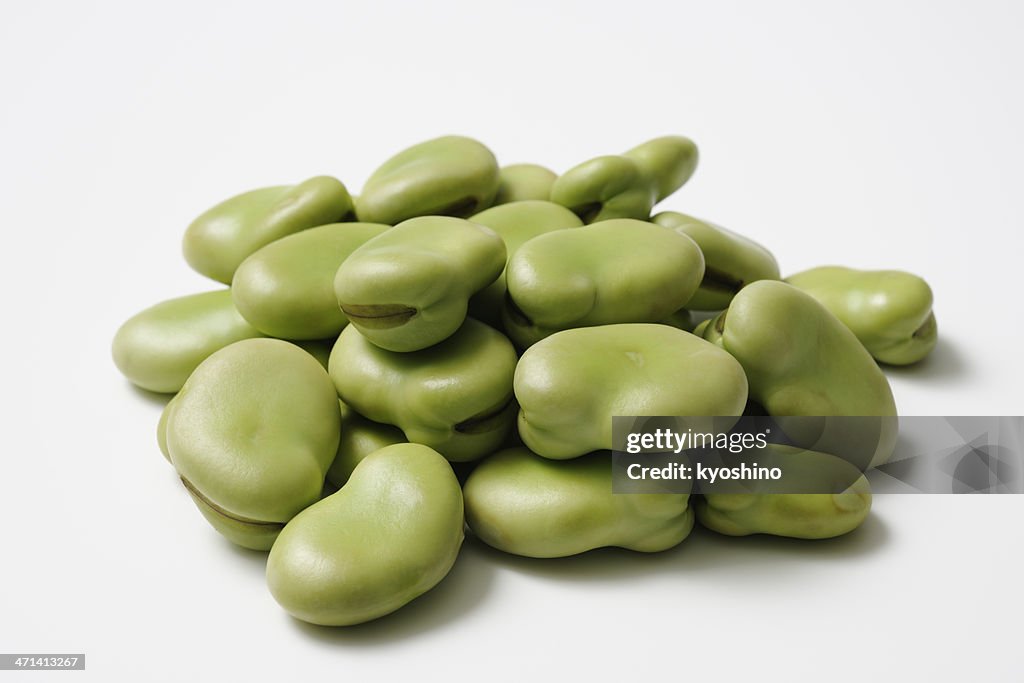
x: 872, y: 134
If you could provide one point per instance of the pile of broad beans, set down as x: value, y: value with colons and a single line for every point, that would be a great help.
x: 447, y: 349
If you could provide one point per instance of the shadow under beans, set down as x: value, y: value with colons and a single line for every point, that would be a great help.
x: 466, y: 586
x: 946, y: 362
x: 714, y: 551
x: 152, y: 397
x: 462, y: 591
x: 702, y: 551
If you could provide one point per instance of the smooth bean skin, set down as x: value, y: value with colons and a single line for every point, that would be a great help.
x: 516, y: 223
x: 286, y: 289
x: 796, y: 515
x: 615, y: 271
x: 731, y: 261
x: 890, y: 311
x: 604, y: 188
x: 527, y: 505
x: 455, y: 397
x: 388, y: 536
x: 409, y: 287
x: 158, y: 348
x: 359, y: 438
x: 801, y: 360
x: 669, y: 161
x: 446, y: 176
x: 252, y: 434
x: 218, y: 241
x: 523, y: 182
x: 570, y: 385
